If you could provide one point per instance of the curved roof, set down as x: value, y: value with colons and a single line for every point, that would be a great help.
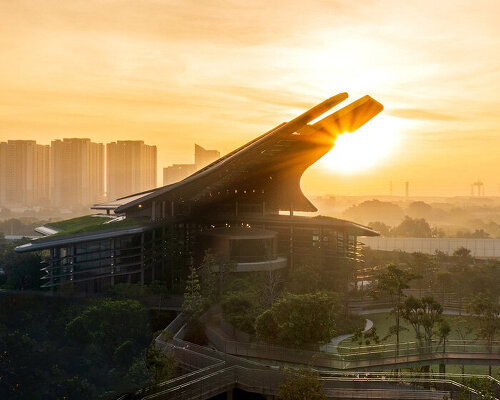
x: 280, y: 155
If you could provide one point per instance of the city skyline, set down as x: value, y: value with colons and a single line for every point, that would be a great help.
x: 170, y: 173
x: 80, y: 172
x: 119, y: 70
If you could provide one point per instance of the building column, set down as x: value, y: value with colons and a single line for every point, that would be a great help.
x: 153, y: 253
x: 112, y: 260
x: 72, y: 264
x: 51, y: 269
x: 229, y: 394
x: 142, y: 258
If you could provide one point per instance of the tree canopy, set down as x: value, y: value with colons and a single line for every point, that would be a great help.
x: 299, y: 319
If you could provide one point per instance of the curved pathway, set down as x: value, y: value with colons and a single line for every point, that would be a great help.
x: 332, y: 347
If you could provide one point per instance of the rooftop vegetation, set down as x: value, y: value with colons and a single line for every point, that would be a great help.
x: 89, y: 223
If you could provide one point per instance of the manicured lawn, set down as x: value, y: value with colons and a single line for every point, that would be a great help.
x: 89, y: 223
x: 383, y: 321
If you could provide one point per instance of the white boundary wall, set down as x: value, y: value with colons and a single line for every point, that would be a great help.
x: 480, y: 248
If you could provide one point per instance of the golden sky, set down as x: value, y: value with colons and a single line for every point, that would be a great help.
x: 219, y: 73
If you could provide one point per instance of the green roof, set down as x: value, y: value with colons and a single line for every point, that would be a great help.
x: 89, y: 223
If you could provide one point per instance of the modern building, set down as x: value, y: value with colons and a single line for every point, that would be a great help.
x: 204, y: 157
x: 77, y: 172
x: 24, y: 173
x: 178, y: 172
x: 130, y: 168
x: 242, y: 207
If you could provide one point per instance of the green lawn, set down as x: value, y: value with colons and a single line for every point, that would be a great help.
x: 458, y: 323
x: 383, y: 321
x: 89, y: 223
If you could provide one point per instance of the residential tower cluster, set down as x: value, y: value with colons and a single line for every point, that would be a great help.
x: 77, y: 172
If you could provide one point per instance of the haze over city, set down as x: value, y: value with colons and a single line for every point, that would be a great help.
x: 176, y: 73
x: 267, y: 200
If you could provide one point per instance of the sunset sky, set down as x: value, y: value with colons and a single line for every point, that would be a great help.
x: 219, y: 73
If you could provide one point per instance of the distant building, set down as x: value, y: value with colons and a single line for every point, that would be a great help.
x: 77, y: 172
x: 480, y: 248
x: 204, y: 157
x: 130, y: 167
x: 177, y: 172
x: 24, y: 173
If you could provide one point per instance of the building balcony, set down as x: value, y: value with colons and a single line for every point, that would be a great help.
x: 268, y: 265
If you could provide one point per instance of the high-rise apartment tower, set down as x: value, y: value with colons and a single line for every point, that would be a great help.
x: 130, y: 167
x: 77, y: 177
x: 24, y: 173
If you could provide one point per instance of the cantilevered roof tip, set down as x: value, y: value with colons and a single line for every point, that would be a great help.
x: 284, y: 153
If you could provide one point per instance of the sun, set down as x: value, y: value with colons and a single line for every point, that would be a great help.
x: 365, y: 148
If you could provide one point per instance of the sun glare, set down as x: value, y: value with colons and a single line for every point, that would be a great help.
x: 365, y: 148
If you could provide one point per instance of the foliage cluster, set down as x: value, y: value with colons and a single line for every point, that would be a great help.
x: 301, y: 384
x: 299, y: 319
x: 304, y: 306
x: 70, y: 348
x: 19, y: 271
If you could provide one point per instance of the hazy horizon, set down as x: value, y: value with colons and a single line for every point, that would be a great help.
x: 219, y: 74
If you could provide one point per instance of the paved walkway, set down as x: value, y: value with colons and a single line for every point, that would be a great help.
x: 332, y: 347
x: 388, y: 310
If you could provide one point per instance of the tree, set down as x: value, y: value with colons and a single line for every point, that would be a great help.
x: 487, y: 312
x: 108, y: 324
x: 272, y: 286
x: 380, y: 227
x: 480, y: 234
x: 302, y: 319
x: 410, y: 227
x: 486, y: 278
x: 266, y: 326
x: 366, y: 211
x: 391, y: 283
x: 463, y: 331
x: 304, y: 278
x: 423, y: 266
x: 463, y: 257
x: 22, y: 270
x: 343, y: 274
x: 193, y: 301
x: 209, y: 283
x: 366, y: 338
x: 238, y: 310
x: 437, y: 232
x: 423, y: 315
x: 17, y: 363
x: 215, y: 273
x: 160, y: 365
x: 444, y: 280
x: 419, y: 209
x: 303, y: 384
x: 443, y: 331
